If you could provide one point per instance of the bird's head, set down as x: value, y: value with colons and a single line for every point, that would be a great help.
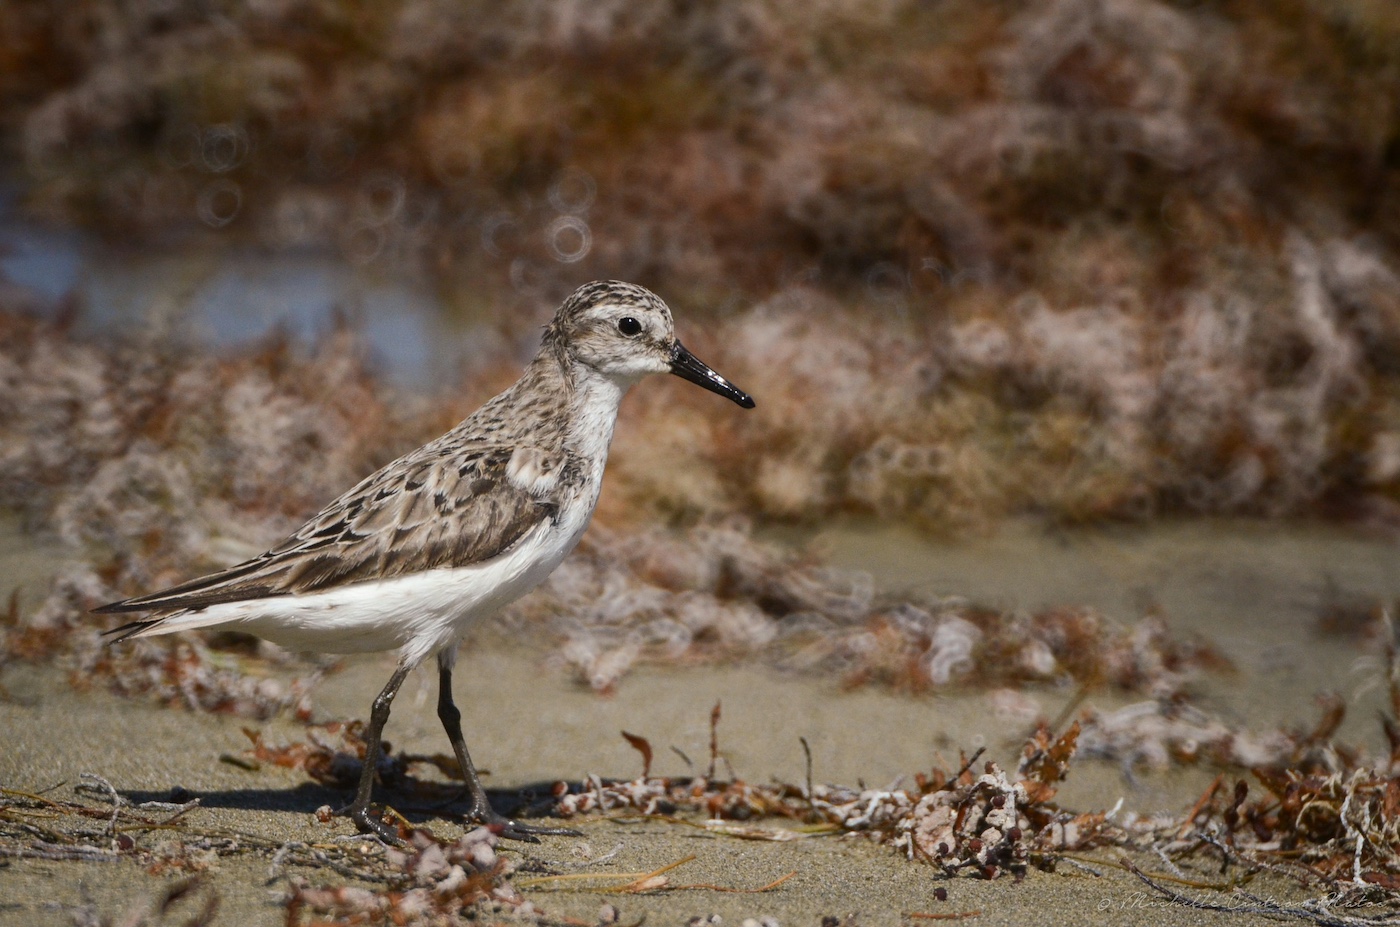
x: 625, y: 332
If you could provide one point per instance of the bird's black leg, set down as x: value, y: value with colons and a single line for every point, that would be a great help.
x: 358, y: 810
x: 481, y: 810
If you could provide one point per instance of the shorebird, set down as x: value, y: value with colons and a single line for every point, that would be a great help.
x: 449, y: 534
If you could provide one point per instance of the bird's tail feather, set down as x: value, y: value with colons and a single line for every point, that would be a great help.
x: 167, y: 624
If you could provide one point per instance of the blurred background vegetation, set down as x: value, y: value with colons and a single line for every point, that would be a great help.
x: 1082, y: 259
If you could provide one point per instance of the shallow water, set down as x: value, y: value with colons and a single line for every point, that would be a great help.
x: 226, y: 294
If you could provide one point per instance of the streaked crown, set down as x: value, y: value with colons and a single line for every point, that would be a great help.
x: 620, y: 329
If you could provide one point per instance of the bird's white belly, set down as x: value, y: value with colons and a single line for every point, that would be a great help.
x: 418, y: 614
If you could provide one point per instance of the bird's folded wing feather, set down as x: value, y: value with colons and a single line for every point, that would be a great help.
x: 424, y: 512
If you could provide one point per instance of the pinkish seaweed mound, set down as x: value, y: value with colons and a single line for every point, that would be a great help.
x: 1086, y: 259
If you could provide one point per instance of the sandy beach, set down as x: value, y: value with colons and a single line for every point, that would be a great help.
x: 529, y: 727
x: 528, y: 722
x: 1065, y: 336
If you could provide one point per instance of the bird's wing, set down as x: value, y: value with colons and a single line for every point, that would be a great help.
x: 425, y: 511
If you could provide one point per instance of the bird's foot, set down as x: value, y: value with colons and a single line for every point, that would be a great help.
x: 377, y: 827
x: 503, y: 826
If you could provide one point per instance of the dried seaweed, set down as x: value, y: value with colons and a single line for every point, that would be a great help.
x: 985, y: 823
x: 714, y: 593
x: 210, y: 459
x: 1320, y: 813
x: 956, y: 820
x: 446, y: 879
x: 164, y: 907
x: 1053, y: 276
x: 432, y: 881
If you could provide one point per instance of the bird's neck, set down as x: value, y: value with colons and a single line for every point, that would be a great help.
x: 592, y: 416
x: 580, y: 398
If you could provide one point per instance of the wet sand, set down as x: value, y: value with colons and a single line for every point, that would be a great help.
x: 528, y: 723
x: 1255, y: 589
x: 528, y: 726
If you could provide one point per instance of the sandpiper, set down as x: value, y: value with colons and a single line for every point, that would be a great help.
x: 448, y: 534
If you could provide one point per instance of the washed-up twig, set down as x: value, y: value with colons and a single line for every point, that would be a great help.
x: 181, y: 807
x: 347, y: 870
x: 1176, y: 870
x: 1079, y: 864
x: 242, y: 762
x: 639, y: 881
x: 41, y: 849
x: 953, y: 779
x: 312, y: 855
x: 807, y: 752
x: 95, y: 783
x: 274, y: 869
x: 714, y: 739
x: 649, y: 881
x: 736, y: 891
x: 1182, y: 880
x: 749, y: 832
x: 34, y: 797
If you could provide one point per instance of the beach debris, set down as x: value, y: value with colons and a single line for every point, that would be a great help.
x: 638, y: 883
x: 1318, y: 812
x: 1354, y: 908
x: 153, y: 461
x: 1161, y: 733
x: 430, y: 880
x: 987, y: 823
x: 188, y: 673
x: 714, y: 593
x: 957, y: 332
x: 171, y: 904
x: 427, y: 876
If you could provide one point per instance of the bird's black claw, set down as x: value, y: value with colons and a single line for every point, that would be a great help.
x: 369, y: 825
x: 514, y: 830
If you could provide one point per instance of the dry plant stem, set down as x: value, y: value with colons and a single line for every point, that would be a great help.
x: 807, y: 755
x: 953, y: 780
x: 1081, y: 864
x: 98, y: 783
x: 709, y: 886
x: 1206, y: 797
x: 43, y: 850
x: 714, y: 739
x: 634, y: 878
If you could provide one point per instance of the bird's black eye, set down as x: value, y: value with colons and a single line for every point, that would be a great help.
x: 629, y: 325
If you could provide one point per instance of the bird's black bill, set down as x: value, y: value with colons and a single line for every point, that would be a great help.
x: 689, y: 367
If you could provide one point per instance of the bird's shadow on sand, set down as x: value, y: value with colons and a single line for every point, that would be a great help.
x: 442, y: 802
